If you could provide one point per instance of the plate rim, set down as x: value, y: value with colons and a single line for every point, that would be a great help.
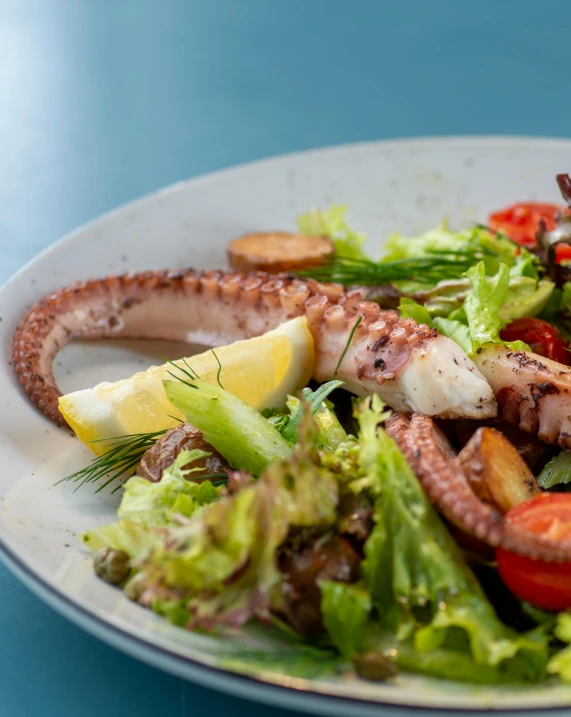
x: 269, y: 159
x: 234, y: 683
x: 237, y: 683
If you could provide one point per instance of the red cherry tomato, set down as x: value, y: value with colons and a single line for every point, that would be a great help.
x: 547, y: 585
x: 542, y: 338
x: 520, y: 222
x: 562, y: 252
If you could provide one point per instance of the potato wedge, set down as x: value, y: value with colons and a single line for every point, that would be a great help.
x: 275, y: 252
x: 495, y: 471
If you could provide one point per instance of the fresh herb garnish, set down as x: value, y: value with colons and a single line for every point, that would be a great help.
x: 125, y: 452
x: 439, y: 266
x: 123, y: 456
x: 355, y: 327
x: 289, y: 429
x: 219, y: 369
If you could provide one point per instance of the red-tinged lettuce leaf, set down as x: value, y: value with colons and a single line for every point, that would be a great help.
x: 221, y: 565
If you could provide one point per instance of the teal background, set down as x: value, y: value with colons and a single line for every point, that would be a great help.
x: 104, y: 100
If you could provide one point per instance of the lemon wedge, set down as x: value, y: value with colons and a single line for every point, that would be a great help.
x: 261, y: 371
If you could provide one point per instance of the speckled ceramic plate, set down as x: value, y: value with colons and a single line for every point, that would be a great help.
x: 407, y: 185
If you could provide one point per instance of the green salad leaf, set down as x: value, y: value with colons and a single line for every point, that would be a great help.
x: 503, y: 285
x: 425, y: 595
x: 560, y: 663
x: 330, y: 428
x: 558, y: 310
x: 556, y: 472
x: 153, y: 503
x: 345, y: 608
x: 457, y: 331
x: 488, y: 305
x: 410, y: 309
x: 494, y: 249
x: 292, y: 660
x: 331, y: 223
x: 216, y: 563
x: 134, y: 538
x: 525, y: 297
x: 483, y: 303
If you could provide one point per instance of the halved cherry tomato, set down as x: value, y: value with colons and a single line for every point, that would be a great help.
x: 542, y: 338
x: 562, y: 252
x: 520, y: 222
x: 547, y: 585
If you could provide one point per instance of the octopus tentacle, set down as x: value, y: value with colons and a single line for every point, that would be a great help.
x: 532, y: 391
x: 410, y: 366
x: 447, y: 488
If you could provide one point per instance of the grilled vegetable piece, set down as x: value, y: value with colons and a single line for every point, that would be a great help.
x: 532, y: 449
x: 165, y: 451
x: 495, y: 471
x: 275, y: 252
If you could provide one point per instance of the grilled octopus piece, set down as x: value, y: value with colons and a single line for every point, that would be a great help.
x: 432, y: 460
x: 410, y: 366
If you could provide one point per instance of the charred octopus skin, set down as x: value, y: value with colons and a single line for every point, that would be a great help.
x: 410, y: 366
x: 432, y: 460
x: 532, y: 391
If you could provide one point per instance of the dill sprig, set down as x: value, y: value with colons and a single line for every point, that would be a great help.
x: 349, y: 340
x: 437, y: 266
x: 219, y: 369
x: 125, y: 452
x: 123, y: 456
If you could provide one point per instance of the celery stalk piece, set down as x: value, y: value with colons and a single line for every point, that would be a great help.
x: 237, y: 431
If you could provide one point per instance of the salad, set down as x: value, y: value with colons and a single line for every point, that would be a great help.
x: 339, y: 520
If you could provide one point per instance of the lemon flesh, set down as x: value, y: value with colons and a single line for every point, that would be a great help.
x: 261, y: 371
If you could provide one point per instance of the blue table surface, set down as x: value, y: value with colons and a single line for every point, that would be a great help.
x: 104, y: 100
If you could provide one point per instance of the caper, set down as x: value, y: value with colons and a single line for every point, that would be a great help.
x: 135, y: 587
x: 112, y: 565
x: 374, y: 666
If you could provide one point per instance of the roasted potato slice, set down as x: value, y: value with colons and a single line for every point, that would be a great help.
x: 495, y: 471
x: 275, y: 252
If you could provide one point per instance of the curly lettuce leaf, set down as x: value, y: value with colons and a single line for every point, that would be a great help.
x: 330, y: 433
x: 457, y: 331
x: 483, y: 303
x: 345, y: 609
x: 480, y: 319
x: 445, y: 662
x: 558, y: 310
x: 419, y: 582
x: 556, y: 472
x: 331, y: 224
x: 220, y: 566
x: 154, y: 503
x: 410, y: 309
x: 440, y: 239
x: 145, y: 505
x: 330, y: 428
x: 560, y: 663
x: 292, y: 659
x: 526, y: 297
x: 493, y: 249
x: 135, y: 539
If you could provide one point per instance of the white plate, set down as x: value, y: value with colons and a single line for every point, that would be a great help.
x: 407, y: 185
